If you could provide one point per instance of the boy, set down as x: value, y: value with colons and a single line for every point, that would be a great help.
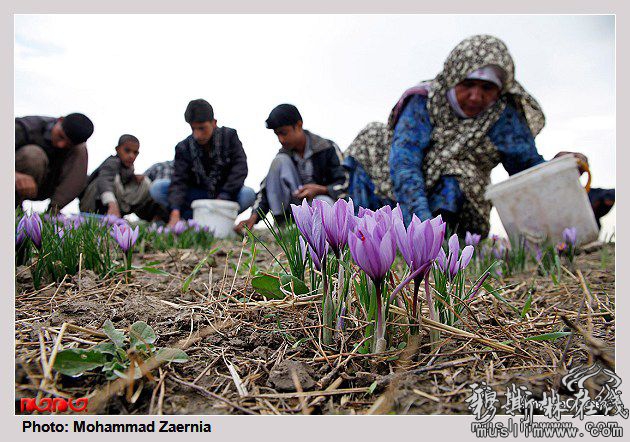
x: 209, y: 164
x: 114, y: 189
x: 307, y: 166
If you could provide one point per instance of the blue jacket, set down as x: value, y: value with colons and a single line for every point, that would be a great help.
x: 412, y: 137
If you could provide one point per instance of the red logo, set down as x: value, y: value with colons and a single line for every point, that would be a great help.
x: 53, y: 404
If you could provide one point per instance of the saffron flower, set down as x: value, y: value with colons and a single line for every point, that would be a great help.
x: 569, y: 235
x: 338, y: 220
x: 316, y: 260
x: 125, y: 236
x: 454, y: 262
x: 373, y: 245
x: 30, y: 226
x: 20, y: 231
x: 472, y: 239
x: 60, y: 232
x: 179, y: 227
x: 309, y: 222
x: 419, y: 245
x: 421, y: 242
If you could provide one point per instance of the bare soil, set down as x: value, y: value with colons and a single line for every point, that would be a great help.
x: 249, y: 355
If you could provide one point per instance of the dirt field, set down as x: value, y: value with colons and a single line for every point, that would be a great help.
x: 253, y: 356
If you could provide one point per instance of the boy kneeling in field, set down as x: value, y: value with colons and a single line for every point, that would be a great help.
x: 114, y: 189
x: 307, y: 166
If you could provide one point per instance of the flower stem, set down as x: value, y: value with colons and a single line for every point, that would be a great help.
x: 328, y: 310
x: 380, y: 343
x: 434, y: 335
x: 414, y: 328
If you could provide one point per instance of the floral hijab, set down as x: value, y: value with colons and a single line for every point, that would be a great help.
x: 460, y: 147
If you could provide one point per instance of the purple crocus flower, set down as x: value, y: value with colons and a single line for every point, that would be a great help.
x: 338, y: 220
x: 60, y: 232
x: 454, y: 262
x: 305, y: 247
x: 472, y: 239
x: 124, y: 236
x: 373, y: 245
x: 569, y: 235
x: 192, y: 224
x: 309, y: 222
x: 561, y: 247
x: 32, y: 227
x: 421, y: 242
x: 179, y: 227
x: 20, y: 231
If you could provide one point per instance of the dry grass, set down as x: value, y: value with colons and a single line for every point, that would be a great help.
x: 252, y: 356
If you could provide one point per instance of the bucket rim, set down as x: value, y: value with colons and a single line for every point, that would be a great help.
x: 227, y: 204
x: 557, y: 164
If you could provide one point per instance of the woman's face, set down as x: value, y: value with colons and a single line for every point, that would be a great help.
x: 475, y: 96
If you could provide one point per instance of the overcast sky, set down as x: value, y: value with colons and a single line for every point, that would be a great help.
x: 136, y: 73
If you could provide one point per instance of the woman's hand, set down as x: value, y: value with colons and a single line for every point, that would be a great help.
x: 579, y: 156
x: 173, y: 218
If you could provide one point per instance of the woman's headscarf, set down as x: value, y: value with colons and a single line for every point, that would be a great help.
x: 461, y: 147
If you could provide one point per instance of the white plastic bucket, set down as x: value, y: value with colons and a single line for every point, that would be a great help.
x: 542, y: 201
x: 217, y: 215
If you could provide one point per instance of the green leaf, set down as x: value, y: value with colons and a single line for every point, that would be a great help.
x: 548, y: 336
x: 153, y: 270
x: 372, y: 387
x: 117, y: 337
x: 167, y: 354
x: 527, y: 306
x: 105, y: 348
x: 137, y: 373
x: 495, y: 293
x: 122, y: 354
x: 75, y: 361
x: 195, y: 271
x: 141, y: 333
x: 153, y: 263
x: 268, y: 285
x: 292, y: 284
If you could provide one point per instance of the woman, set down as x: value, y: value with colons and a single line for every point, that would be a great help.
x: 446, y: 136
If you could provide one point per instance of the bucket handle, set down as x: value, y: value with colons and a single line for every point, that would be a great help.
x: 226, y: 213
x: 584, y: 166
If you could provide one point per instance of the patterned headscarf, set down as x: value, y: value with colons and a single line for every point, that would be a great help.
x: 461, y: 147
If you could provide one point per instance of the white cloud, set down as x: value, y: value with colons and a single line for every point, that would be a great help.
x: 136, y: 73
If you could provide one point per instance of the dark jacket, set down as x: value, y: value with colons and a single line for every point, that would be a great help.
x: 327, y: 170
x: 221, y: 171
x: 106, y: 173
x: 67, y: 168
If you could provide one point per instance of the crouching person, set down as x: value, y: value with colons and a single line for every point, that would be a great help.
x: 307, y: 166
x: 114, y: 189
x: 209, y: 164
x: 51, y: 158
